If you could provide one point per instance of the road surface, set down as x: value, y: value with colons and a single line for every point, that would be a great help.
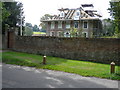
x: 14, y: 76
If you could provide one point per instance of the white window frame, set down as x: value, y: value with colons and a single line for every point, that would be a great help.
x: 76, y: 17
x: 62, y: 14
x: 74, y: 24
x: 60, y: 25
x: 67, y: 35
x: 86, y: 34
x: 67, y: 25
x: 84, y: 24
x: 52, y: 25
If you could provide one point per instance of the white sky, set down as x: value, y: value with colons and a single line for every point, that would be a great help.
x: 35, y: 9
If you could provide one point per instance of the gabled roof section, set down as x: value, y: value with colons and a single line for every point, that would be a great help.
x: 63, y: 9
x: 86, y: 12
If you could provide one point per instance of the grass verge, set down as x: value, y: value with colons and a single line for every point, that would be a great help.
x: 39, y: 33
x: 83, y: 68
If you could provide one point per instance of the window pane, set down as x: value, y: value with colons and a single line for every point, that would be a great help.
x: 62, y: 14
x: 59, y: 24
x: 85, y: 24
x: 52, y: 25
x: 67, y: 25
x: 76, y: 24
x: 78, y: 14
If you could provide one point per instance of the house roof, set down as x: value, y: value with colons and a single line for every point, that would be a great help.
x: 70, y: 14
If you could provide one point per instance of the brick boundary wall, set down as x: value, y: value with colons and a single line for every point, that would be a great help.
x: 104, y: 50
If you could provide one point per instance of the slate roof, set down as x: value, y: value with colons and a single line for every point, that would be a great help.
x: 70, y: 13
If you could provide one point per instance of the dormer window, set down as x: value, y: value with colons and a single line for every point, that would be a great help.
x: 77, y: 13
x: 62, y: 14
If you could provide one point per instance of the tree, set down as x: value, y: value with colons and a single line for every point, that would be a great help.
x: 29, y: 25
x: 28, y: 31
x: 73, y: 32
x: 12, y: 13
x: 35, y: 28
x: 42, y: 30
x: 45, y: 17
x: 4, y: 14
x: 108, y: 27
x: 115, y: 13
x: 43, y: 26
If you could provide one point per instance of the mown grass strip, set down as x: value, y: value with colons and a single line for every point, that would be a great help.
x: 83, y: 68
x: 39, y: 33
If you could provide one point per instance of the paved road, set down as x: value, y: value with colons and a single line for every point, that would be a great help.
x: 4, y: 50
x: 26, y: 77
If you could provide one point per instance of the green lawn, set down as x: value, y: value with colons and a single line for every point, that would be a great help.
x: 39, y: 33
x: 83, y: 68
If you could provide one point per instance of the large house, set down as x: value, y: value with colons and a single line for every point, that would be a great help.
x: 84, y: 19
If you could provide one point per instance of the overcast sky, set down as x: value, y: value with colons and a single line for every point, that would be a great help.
x: 35, y: 9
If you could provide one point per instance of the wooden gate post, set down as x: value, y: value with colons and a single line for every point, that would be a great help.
x: 112, y: 69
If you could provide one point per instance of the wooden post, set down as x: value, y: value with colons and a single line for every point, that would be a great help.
x: 44, y: 60
x: 112, y: 69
